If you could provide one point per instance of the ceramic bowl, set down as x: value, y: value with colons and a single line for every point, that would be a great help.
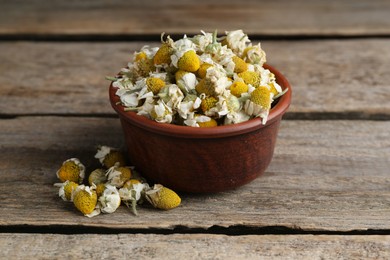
x: 202, y: 160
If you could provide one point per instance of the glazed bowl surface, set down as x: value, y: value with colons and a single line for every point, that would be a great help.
x: 202, y: 160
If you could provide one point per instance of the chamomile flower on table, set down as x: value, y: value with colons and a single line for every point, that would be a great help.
x: 85, y: 200
x: 110, y: 188
x: 109, y: 156
x: 66, y: 190
x: 71, y: 170
x: 132, y: 193
x: 109, y: 200
x: 162, y: 197
x: 118, y: 175
x: 97, y: 176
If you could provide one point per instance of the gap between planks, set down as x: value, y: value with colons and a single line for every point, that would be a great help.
x: 235, y: 230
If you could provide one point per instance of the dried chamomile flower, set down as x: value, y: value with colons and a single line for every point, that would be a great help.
x: 208, y: 103
x: 250, y: 77
x: 185, y: 80
x: 128, y: 184
x: 211, y: 122
x: 162, y: 113
x: 132, y: 193
x: 71, y: 170
x: 171, y: 95
x: 237, y: 41
x: 240, y: 64
x: 143, y: 62
x: 188, y: 105
x: 117, y: 176
x: 162, y: 197
x: 254, y: 54
x: 97, y: 176
x: 85, y: 200
x: 259, y: 103
x: 189, y: 61
x: 238, y: 87
x: 155, y: 84
x: 110, y: 200
x: 100, y: 189
x: 202, y: 71
x: 236, y: 117
x: 214, y: 84
x: 66, y: 190
x: 163, y: 55
x: 201, y: 41
x: 109, y: 156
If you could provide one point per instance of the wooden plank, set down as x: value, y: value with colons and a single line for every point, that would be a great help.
x: 325, y: 176
x: 195, y: 246
x: 281, y: 17
x: 347, y: 78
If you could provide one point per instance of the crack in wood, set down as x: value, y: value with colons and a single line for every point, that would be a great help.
x: 235, y: 230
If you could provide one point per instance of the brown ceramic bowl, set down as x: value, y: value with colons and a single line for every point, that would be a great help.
x: 201, y: 160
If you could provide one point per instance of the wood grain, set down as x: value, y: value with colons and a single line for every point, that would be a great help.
x: 325, y: 176
x: 342, y: 77
x: 195, y: 246
x: 280, y: 17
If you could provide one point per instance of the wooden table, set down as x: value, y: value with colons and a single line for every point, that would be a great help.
x: 325, y: 195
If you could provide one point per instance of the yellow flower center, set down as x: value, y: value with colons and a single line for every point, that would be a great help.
x: 130, y: 183
x: 167, y: 199
x: 180, y: 74
x: 141, y: 56
x: 189, y: 61
x: 273, y: 89
x: 237, y: 88
x: 208, y: 103
x: 145, y: 66
x: 100, y: 189
x: 69, y: 188
x: 261, y: 96
x: 250, y: 77
x: 203, y: 70
x: 205, y: 86
x: 69, y: 171
x: 155, y: 84
x: 211, y: 123
x: 125, y: 174
x: 114, y: 157
x: 163, y: 55
x: 85, y: 202
x: 240, y: 64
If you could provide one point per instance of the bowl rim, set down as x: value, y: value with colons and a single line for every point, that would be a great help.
x: 145, y: 123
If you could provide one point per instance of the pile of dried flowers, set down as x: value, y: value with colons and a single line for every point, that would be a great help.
x: 200, y: 81
x: 110, y: 186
